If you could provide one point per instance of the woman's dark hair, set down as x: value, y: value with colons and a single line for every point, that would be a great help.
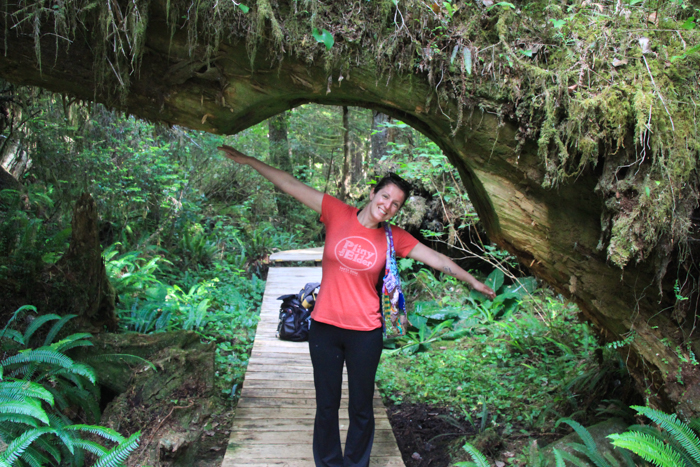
x: 393, y: 179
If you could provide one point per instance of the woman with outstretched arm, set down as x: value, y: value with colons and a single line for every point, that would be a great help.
x: 347, y: 322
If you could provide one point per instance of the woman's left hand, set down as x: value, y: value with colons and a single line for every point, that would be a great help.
x: 485, y: 289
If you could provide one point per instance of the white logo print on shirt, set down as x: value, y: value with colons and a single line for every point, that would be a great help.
x: 356, y: 253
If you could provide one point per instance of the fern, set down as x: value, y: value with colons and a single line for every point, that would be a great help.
x: 49, y: 448
x: 573, y: 459
x: 479, y: 460
x: 559, y: 459
x: 19, y: 445
x: 119, y: 453
x: 12, y: 335
x: 105, y: 432
x: 120, y: 357
x: 65, y: 344
x: 678, y: 430
x: 91, y: 447
x: 581, y: 432
x: 20, y: 390
x: 36, y: 324
x: 14, y: 317
x: 29, y: 407
x: 50, y: 357
x: 19, y: 419
x: 47, y: 376
x: 56, y: 328
x: 648, y: 447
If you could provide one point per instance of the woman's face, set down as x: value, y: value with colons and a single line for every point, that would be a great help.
x: 386, y: 202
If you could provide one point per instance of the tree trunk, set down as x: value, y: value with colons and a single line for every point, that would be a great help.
x: 80, y: 273
x: 557, y: 234
x: 279, y: 156
x: 7, y: 181
x: 380, y: 135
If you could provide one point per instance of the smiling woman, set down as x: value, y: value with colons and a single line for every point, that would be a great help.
x: 347, y: 320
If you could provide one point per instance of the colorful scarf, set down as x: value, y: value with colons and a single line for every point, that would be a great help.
x: 393, y: 303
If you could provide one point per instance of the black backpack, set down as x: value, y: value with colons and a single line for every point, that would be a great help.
x: 295, y: 313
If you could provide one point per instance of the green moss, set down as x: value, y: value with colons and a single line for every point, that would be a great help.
x: 585, y: 91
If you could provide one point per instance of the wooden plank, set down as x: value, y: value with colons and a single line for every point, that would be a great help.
x: 274, y: 419
x: 307, y: 254
x: 293, y: 450
x: 308, y: 462
x: 297, y: 424
x: 250, y: 437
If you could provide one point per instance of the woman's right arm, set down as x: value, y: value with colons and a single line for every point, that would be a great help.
x: 310, y: 197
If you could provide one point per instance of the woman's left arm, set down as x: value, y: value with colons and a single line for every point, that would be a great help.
x: 442, y: 263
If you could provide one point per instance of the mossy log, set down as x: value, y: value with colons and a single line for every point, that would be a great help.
x: 171, y: 399
x: 556, y: 233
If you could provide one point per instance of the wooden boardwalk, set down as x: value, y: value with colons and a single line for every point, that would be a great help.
x: 274, y: 420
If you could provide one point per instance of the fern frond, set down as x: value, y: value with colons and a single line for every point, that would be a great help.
x: 65, y: 345
x: 19, y: 419
x: 558, y: 459
x: 90, y: 446
x: 59, y: 400
x: 49, y: 448
x: 27, y: 407
x: 626, y: 456
x: 581, y: 432
x: 36, y: 324
x: 649, y: 448
x: 21, y: 443
x: 478, y: 458
x: 50, y: 357
x: 15, y: 315
x: 19, y: 390
x: 119, y: 453
x: 82, y: 370
x: 694, y: 424
x: 56, y: 328
x: 34, y: 458
x: 67, y: 439
x: 11, y: 334
x: 105, y: 432
x: 678, y: 430
x: 593, y: 455
x: 120, y: 358
x: 578, y: 462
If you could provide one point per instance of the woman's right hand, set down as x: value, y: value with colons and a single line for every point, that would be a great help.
x: 234, y: 154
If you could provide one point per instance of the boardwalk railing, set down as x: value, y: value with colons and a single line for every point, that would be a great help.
x: 274, y: 420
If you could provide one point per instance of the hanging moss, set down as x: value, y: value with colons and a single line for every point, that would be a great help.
x: 590, y: 82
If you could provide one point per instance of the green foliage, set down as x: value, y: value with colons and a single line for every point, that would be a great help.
x: 675, y: 443
x: 515, y: 371
x: 479, y: 460
x: 38, y: 386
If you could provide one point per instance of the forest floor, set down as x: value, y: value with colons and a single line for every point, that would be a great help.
x: 429, y: 436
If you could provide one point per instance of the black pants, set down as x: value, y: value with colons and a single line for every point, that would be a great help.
x: 330, y: 346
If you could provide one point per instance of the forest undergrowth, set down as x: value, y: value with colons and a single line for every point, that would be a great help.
x: 186, y: 238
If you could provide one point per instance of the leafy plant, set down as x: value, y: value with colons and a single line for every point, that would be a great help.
x: 674, y: 444
x: 43, y: 385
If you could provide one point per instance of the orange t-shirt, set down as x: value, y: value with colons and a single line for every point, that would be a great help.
x: 353, y: 260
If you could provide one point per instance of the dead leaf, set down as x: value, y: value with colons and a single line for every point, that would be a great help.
x: 500, y: 464
x: 573, y: 87
x: 652, y: 18
x: 204, y: 119
x: 416, y: 456
x: 617, y: 62
x: 644, y: 43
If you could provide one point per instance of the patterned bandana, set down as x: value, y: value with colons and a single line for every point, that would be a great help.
x: 393, y: 302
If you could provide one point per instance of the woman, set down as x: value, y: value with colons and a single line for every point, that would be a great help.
x: 347, y: 323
